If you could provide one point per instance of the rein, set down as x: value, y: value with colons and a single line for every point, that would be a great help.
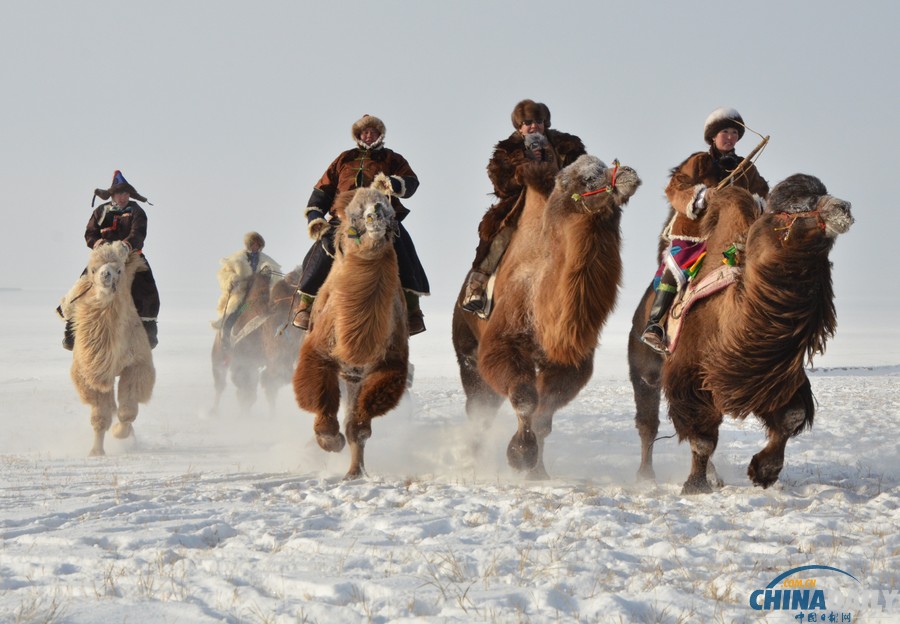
x: 609, y: 188
x: 790, y: 218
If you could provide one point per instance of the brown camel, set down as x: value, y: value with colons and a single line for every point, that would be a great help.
x: 358, y: 330
x: 110, y: 341
x: 553, y: 291
x: 742, y: 350
x: 252, y: 343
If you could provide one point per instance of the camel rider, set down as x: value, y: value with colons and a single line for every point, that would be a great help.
x: 529, y: 118
x: 122, y: 219
x: 353, y: 169
x: 235, y: 274
x: 690, y: 187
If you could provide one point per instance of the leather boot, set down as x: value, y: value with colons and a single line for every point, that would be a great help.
x: 304, y: 310
x: 416, y: 322
x: 654, y: 335
x: 475, y: 297
x: 151, y: 329
x: 415, y: 318
x: 68, y: 342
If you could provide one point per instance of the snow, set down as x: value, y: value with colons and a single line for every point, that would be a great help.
x: 242, y: 518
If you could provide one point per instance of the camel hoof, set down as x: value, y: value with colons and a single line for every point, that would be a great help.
x: 522, y: 452
x: 696, y: 485
x: 97, y: 452
x: 121, y: 430
x: 354, y: 474
x: 763, y: 473
x: 646, y: 473
x: 538, y: 473
x: 333, y: 443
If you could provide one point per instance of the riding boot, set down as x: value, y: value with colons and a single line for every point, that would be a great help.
x: 151, y: 329
x: 68, y: 342
x: 415, y: 316
x: 301, y: 319
x: 475, y: 297
x: 654, y: 335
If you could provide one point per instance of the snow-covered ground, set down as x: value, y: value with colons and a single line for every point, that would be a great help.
x: 242, y: 518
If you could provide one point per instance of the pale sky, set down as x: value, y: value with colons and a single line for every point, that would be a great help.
x: 224, y: 114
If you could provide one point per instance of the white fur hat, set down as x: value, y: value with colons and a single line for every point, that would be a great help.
x: 721, y: 118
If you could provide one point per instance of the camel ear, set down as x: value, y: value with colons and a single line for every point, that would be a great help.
x: 382, y: 184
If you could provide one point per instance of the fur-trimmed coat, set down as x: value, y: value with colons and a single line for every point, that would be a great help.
x: 234, y: 278
x: 505, y: 171
x: 356, y: 168
x: 703, y: 169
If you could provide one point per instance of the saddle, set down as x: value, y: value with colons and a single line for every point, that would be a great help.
x: 695, y: 291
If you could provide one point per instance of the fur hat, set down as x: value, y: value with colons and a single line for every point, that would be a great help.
x: 529, y: 109
x: 254, y: 237
x: 720, y: 119
x: 119, y: 184
x: 368, y: 121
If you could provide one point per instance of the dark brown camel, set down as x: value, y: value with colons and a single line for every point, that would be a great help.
x: 253, y: 345
x: 552, y: 294
x: 743, y: 349
x: 358, y: 330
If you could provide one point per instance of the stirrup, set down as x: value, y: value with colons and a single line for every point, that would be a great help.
x: 654, y: 336
x: 475, y: 297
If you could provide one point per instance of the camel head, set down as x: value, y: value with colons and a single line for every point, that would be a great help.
x: 106, y: 268
x: 367, y: 219
x: 595, y: 186
x: 804, y: 205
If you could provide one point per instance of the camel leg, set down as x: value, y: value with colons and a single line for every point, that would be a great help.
x: 103, y: 405
x: 246, y: 379
x: 645, y: 372
x: 135, y: 386
x: 785, y: 423
x: 702, y: 449
x: 507, y: 366
x: 219, y: 369
x: 557, y: 386
x: 378, y: 393
x: 317, y: 390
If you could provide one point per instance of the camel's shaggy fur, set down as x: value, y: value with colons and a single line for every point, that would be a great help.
x: 255, y: 347
x: 743, y: 350
x: 553, y: 292
x: 358, y: 330
x: 110, y: 341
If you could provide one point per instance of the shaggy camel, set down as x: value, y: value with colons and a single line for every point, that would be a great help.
x: 110, y: 341
x: 358, y: 330
x: 742, y: 350
x: 553, y: 291
x: 253, y: 345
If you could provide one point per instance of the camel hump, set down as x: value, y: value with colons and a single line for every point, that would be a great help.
x: 116, y: 251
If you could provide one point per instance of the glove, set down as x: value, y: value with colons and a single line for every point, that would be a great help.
x: 397, y: 186
x: 317, y: 228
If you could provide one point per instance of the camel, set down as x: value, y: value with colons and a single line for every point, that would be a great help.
x: 555, y: 287
x: 253, y: 345
x: 110, y: 342
x: 358, y: 329
x: 742, y: 350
